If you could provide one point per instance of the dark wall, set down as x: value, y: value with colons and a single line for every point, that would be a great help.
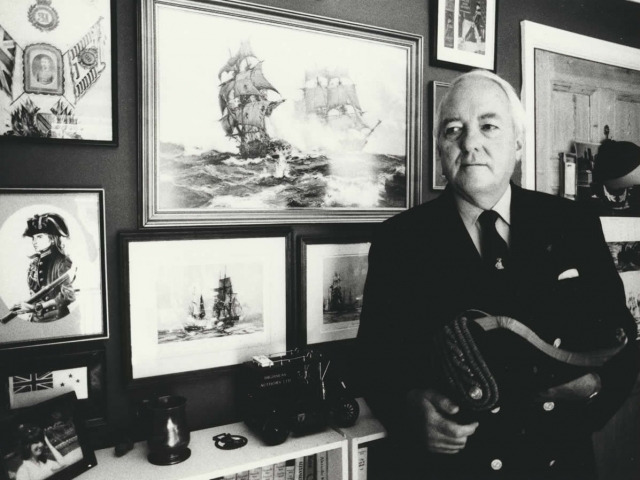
x: 212, y: 400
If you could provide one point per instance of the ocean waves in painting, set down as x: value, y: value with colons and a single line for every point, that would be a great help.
x: 216, y: 180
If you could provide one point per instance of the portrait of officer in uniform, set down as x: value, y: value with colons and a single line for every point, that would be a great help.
x: 48, y: 264
x: 489, y: 247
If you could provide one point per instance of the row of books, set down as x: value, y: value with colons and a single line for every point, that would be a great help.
x: 319, y: 466
x: 303, y: 468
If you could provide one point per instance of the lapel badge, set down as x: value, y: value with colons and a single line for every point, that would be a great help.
x: 499, y: 265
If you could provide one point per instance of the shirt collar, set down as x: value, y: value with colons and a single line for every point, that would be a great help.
x: 470, y: 213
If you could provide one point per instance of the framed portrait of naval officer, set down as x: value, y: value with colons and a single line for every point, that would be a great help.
x: 53, y: 283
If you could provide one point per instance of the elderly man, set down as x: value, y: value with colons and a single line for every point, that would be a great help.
x: 488, y: 245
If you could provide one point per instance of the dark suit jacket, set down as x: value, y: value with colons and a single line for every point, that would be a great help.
x: 424, y: 270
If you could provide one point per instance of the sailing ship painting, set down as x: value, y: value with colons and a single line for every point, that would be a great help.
x: 343, y: 282
x: 214, y: 308
x: 257, y: 116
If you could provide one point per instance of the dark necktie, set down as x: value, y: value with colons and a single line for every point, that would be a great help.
x: 495, y: 251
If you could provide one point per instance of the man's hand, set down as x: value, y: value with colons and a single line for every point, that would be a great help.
x: 579, y: 389
x: 429, y: 413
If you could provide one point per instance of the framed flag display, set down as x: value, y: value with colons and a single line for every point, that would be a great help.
x: 36, y: 380
x: 57, y: 70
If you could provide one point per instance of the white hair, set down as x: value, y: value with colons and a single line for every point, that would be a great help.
x: 517, y: 110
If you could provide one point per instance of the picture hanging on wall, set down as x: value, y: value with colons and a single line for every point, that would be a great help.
x: 304, y: 119
x: 579, y: 91
x: 46, y: 441
x: 333, y: 276
x: 466, y: 34
x: 34, y: 380
x: 52, y: 259
x: 623, y: 237
x: 57, y: 74
x: 203, y: 300
x: 438, y: 180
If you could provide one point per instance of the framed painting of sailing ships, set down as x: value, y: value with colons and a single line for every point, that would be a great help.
x: 465, y: 36
x: 203, y: 300
x: 52, y: 259
x: 258, y: 115
x: 438, y: 180
x: 57, y: 74
x: 333, y: 276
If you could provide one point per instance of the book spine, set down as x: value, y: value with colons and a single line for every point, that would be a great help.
x: 321, y: 466
x: 255, y: 474
x: 299, y: 471
x: 267, y: 473
x: 310, y: 467
x: 362, y: 463
x: 243, y: 475
x: 290, y: 469
x: 279, y: 471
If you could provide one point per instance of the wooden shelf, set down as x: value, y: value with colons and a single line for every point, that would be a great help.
x: 207, y: 461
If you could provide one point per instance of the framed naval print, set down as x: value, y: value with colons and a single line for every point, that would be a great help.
x: 438, y: 180
x: 202, y: 300
x: 466, y: 34
x: 57, y: 71
x: 52, y: 259
x: 334, y: 271
x: 575, y: 90
x: 623, y: 238
x: 309, y: 119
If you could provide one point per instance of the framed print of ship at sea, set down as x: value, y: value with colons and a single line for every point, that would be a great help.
x: 255, y: 115
x: 466, y: 34
x: 57, y: 74
x: 203, y: 300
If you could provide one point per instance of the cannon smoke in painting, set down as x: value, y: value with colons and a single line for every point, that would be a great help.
x: 278, y: 118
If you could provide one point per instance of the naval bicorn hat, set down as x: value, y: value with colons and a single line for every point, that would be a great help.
x: 482, y: 362
x: 50, y: 223
x: 617, y: 164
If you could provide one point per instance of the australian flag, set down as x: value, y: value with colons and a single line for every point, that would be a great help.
x: 32, y: 382
x: 7, y: 61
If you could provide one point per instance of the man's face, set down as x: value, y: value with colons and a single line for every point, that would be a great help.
x: 45, y: 63
x: 41, y: 241
x: 478, y: 145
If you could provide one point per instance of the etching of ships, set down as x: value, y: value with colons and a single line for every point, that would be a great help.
x: 331, y: 97
x: 226, y: 308
x: 245, y: 104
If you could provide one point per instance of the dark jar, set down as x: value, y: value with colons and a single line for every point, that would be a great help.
x: 168, y: 431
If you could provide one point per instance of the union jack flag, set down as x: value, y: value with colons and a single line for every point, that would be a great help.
x: 7, y: 60
x: 32, y: 382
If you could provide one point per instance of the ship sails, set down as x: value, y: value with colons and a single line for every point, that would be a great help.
x: 227, y: 308
x: 244, y: 102
x: 330, y: 96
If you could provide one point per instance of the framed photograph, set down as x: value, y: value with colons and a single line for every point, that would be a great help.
x: 333, y: 276
x: 203, y: 300
x: 46, y: 441
x: 52, y: 258
x: 623, y: 237
x: 57, y: 71
x: 300, y: 118
x: 577, y: 91
x: 35, y: 380
x: 438, y: 180
x: 466, y: 34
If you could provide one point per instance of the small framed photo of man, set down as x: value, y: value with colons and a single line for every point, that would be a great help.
x: 46, y: 441
x: 43, y: 69
x: 53, y: 286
